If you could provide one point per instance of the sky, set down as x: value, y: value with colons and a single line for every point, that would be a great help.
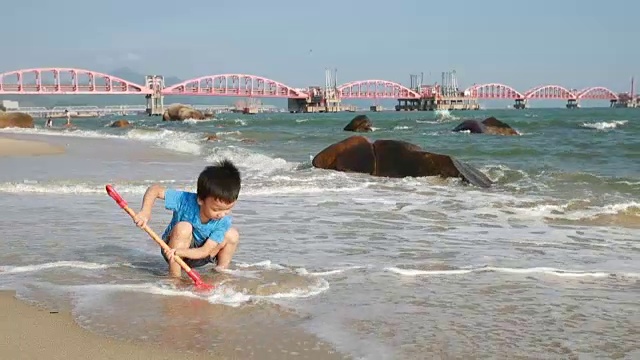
x: 571, y: 43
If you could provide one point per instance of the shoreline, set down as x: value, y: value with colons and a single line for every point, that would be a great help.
x: 33, y: 332
x: 11, y: 146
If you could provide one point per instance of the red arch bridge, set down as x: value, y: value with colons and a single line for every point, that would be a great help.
x: 496, y: 91
x: 72, y: 81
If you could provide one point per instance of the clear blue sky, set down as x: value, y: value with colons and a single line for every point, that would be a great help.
x: 574, y: 43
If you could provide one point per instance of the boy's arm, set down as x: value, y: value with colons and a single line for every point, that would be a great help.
x: 154, y: 192
x: 210, y: 248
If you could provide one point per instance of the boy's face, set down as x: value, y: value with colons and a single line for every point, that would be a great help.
x: 212, y: 208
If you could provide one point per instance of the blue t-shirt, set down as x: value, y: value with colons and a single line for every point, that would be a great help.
x: 185, y: 208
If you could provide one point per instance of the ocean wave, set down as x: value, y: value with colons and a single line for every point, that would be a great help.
x: 224, y: 293
x: 179, y: 141
x: 508, y: 270
x: 604, y: 125
x: 264, y: 188
x: 251, y: 161
x: 445, y: 115
x: 56, y: 264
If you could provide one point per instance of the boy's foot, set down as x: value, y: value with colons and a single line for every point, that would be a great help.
x: 220, y: 268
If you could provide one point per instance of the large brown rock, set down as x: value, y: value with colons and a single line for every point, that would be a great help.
x: 179, y: 112
x: 360, y: 123
x: 394, y: 158
x: 15, y: 119
x: 120, y: 123
x: 489, y: 125
x: 353, y: 154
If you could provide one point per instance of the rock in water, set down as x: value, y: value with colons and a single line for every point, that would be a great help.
x: 360, y: 123
x: 353, y: 154
x: 497, y: 127
x: 394, y: 158
x: 179, y: 112
x: 490, y: 125
x: 15, y: 119
x: 120, y: 124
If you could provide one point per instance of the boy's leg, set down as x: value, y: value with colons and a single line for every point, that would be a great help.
x: 231, y: 241
x: 181, y: 237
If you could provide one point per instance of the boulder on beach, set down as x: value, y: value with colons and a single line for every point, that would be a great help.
x: 394, y: 158
x: 120, y: 123
x: 179, y: 112
x: 360, y: 123
x: 489, y: 125
x: 15, y: 119
x: 212, y: 137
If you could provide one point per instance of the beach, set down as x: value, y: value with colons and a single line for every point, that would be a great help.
x: 29, y: 325
x: 30, y: 332
x: 14, y: 147
x: 330, y: 264
x: 33, y: 332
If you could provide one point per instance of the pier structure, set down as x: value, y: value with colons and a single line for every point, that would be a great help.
x: 443, y: 96
x: 629, y: 99
x: 155, y: 98
x: 325, y: 99
x: 328, y: 98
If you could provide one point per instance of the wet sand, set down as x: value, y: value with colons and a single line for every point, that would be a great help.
x: 30, y: 332
x: 19, y: 147
x: 33, y: 332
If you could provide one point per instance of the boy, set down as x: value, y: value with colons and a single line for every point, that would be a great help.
x: 200, y: 229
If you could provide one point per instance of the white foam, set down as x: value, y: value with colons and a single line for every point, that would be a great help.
x: 255, y: 162
x: 61, y: 132
x: 67, y: 189
x: 173, y: 140
x: 221, y: 294
x: 51, y: 265
x: 604, y: 125
x: 445, y: 115
x: 534, y: 270
x: 179, y: 141
x: 265, y: 264
x: 303, y: 271
x: 82, y: 188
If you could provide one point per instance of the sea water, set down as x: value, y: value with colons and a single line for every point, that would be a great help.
x: 545, y: 264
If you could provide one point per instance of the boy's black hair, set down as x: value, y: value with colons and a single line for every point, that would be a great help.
x: 220, y: 181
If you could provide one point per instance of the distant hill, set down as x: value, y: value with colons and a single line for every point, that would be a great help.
x: 129, y: 75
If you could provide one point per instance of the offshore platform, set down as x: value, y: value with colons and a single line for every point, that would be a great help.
x: 321, y: 100
x: 628, y: 100
x: 443, y: 96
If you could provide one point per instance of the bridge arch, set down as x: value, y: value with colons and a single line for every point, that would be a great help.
x: 241, y: 85
x: 493, y: 91
x: 13, y: 82
x: 597, y: 93
x: 376, y: 89
x: 550, y: 92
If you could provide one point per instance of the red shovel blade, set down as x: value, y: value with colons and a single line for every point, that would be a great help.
x: 197, y: 281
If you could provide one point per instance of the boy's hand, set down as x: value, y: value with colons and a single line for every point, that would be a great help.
x: 142, y: 218
x: 170, y: 254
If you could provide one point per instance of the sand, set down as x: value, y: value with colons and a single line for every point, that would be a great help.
x: 30, y: 332
x: 17, y: 147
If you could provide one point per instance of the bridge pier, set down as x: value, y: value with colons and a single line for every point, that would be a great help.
x: 613, y: 103
x: 572, y: 104
x: 520, y: 104
x: 155, y: 100
x: 408, y: 104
